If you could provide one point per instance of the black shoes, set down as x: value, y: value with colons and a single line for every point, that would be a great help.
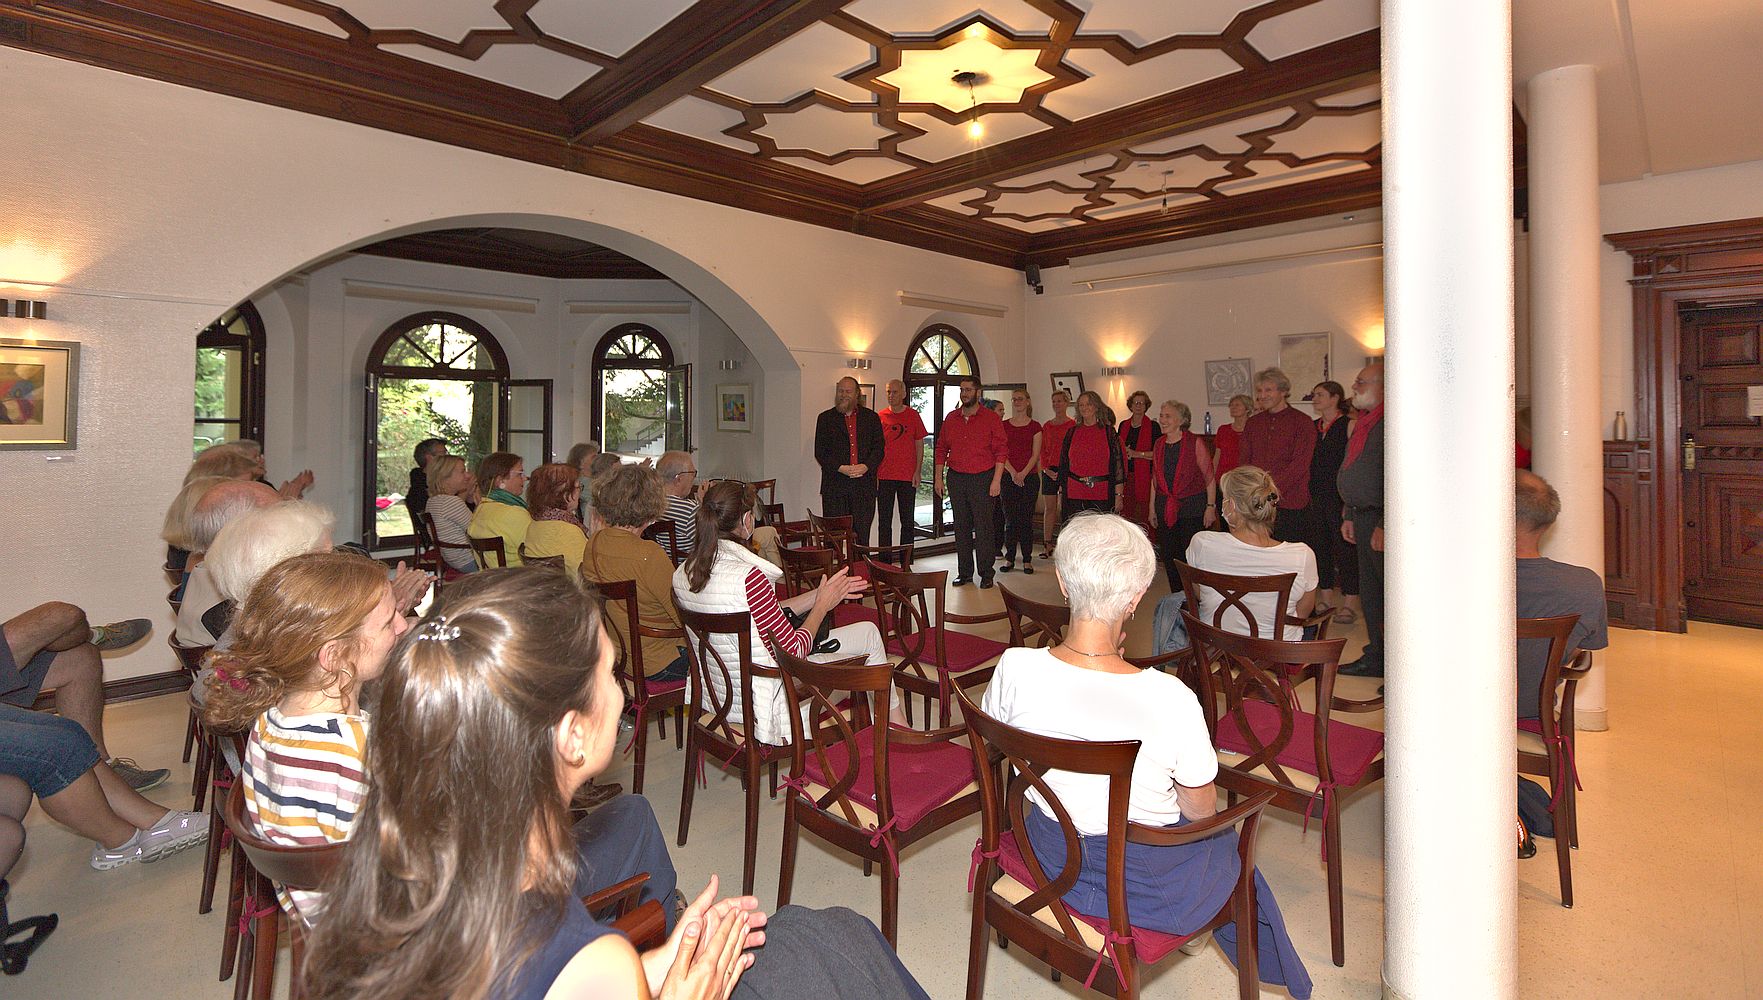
x: 985, y: 583
x: 1007, y: 567
x: 962, y: 581
x: 1359, y: 668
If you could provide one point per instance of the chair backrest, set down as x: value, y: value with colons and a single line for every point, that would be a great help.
x: 554, y: 562
x: 628, y: 628
x: 1558, y: 632
x: 832, y: 736
x: 767, y: 492
x: 172, y: 598
x: 805, y: 568
x: 907, y: 616
x: 435, y: 548
x: 484, y: 548
x: 897, y: 556
x: 1232, y: 590
x: 189, y: 657
x: 833, y: 532
x: 1033, y: 623
x: 289, y: 867
x: 709, y: 662
x: 665, y: 534
x: 1251, y: 675
x: 425, y: 534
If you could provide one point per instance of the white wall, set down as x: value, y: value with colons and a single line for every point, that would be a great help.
x: 1718, y: 194
x: 138, y: 235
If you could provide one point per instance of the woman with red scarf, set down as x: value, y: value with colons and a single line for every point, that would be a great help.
x: 1138, y: 440
x: 1091, y: 466
x: 1186, y: 485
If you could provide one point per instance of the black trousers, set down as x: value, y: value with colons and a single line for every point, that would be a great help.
x: 1370, y: 584
x: 855, y: 497
x: 889, y: 492
x: 976, y: 545
x: 1069, y: 508
x: 1292, y: 525
x: 1019, y: 517
x: 1172, y: 539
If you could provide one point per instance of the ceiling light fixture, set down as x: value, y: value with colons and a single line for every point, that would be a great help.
x: 969, y: 79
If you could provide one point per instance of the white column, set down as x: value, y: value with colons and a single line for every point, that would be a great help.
x: 1450, y: 879
x: 1567, y: 427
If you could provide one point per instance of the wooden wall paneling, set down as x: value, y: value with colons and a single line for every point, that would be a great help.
x: 1626, y: 556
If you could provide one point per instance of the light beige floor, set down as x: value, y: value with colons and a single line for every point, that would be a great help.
x: 1668, y: 878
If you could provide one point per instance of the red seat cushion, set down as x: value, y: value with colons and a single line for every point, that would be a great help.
x: 963, y: 649
x: 850, y: 614
x: 923, y: 777
x: 1531, y: 726
x: 1351, y: 749
x: 1147, y: 944
x: 665, y: 687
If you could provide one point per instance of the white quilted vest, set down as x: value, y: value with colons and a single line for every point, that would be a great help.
x: 724, y: 593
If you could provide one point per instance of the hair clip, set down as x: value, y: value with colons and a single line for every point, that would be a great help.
x: 237, y: 684
x: 438, y: 630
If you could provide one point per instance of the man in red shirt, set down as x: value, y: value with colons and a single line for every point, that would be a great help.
x: 848, y: 446
x: 897, y: 482
x: 1280, y: 440
x: 971, y: 446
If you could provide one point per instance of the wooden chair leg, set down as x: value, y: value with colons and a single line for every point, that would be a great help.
x: 206, y: 748
x: 296, y: 960
x: 640, y: 739
x: 679, y: 727
x: 976, y: 949
x: 235, y: 904
x: 190, y: 734
x: 786, y: 868
x: 751, y: 859
x: 890, y: 906
x: 1570, y: 796
x: 211, y: 860
x: 694, y: 757
x: 1248, y: 945
x: 661, y: 724
x: 263, y: 965
x: 774, y: 780
x: 1564, y: 852
x: 1337, y: 932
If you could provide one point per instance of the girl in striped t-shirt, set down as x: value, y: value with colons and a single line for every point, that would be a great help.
x: 313, y: 630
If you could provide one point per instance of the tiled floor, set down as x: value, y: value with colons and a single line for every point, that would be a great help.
x: 1668, y: 878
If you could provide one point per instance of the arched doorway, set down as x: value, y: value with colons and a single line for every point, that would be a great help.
x: 938, y: 359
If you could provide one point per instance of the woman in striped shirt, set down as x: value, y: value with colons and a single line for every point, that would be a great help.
x: 312, y: 631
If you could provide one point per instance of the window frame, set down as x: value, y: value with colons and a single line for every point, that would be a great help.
x: 601, y: 364
x: 253, y: 384
x: 936, y: 382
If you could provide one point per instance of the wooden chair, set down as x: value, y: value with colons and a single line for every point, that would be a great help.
x: 709, y: 729
x: 644, y: 924
x: 1306, y: 758
x: 1546, y: 745
x: 190, y: 658
x: 433, y: 557
x: 642, y: 695
x: 804, y: 568
x: 1039, y: 625
x: 923, y: 640
x: 869, y: 789
x: 897, y: 556
x: 483, y: 548
x: 666, y: 534
x: 1233, y: 591
x: 552, y: 562
x: 833, y: 533
x: 1019, y: 900
x: 766, y: 489
x: 425, y: 532
x: 219, y: 839
x: 273, y: 865
x: 175, y: 599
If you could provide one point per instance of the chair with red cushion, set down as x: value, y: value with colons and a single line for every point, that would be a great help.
x: 805, y: 567
x: 1233, y: 590
x: 1546, y: 745
x: 934, y: 659
x: 1023, y: 904
x: 869, y: 789
x: 641, y: 695
x: 271, y: 865
x: 1039, y: 625
x: 1307, y: 758
x: 833, y: 532
x: 710, y: 732
x: 432, y: 555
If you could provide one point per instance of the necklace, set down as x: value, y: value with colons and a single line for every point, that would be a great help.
x: 1092, y: 656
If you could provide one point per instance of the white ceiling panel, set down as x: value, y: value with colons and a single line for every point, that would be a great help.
x: 824, y: 130
x: 1271, y: 175
x: 811, y: 59
x: 1144, y: 21
x: 1070, y: 174
x: 1332, y: 134
x: 702, y: 120
x: 942, y: 140
x: 1701, y: 71
x: 525, y: 67
x: 289, y: 15
x: 611, y: 27
x: 1317, y: 24
x: 446, y: 19
x: 933, y: 17
x: 857, y: 170
x: 953, y: 202
x: 1352, y: 98
x: 1226, y: 138
x: 1038, y: 226
x: 1112, y: 84
x: 1037, y: 202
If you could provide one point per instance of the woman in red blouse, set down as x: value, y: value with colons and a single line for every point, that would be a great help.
x: 1022, y: 481
x: 1229, y: 438
x: 1091, y: 465
x: 1138, y: 440
x: 1053, y: 434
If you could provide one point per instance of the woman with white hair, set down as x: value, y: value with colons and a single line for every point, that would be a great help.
x: 1084, y: 689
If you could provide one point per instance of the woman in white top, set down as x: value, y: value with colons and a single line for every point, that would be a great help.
x: 1249, y: 549
x: 451, y: 486
x: 1083, y: 689
x: 723, y: 575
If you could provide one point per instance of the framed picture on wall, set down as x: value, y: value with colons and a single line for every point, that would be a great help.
x: 997, y: 395
x: 1304, y: 357
x: 1071, y: 382
x: 734, y: 408
x: 866, y: 394
x: 39, y: 395
x: 1227, y: 378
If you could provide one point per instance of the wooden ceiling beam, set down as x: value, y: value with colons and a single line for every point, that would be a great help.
x: 1332, y: 68
x: 710, y: 38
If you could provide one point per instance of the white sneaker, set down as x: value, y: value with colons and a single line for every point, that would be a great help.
x: 175, y: 832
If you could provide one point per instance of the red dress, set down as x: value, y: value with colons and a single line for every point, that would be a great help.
x: 1136, y: 505
x: 1229, y: 444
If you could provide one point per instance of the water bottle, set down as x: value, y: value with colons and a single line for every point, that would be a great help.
x: 1208, y: 423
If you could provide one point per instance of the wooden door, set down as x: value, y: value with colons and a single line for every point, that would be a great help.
x: 1719, y: 364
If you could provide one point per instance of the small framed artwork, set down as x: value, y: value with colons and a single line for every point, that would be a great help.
x: 997, y: 395
x: 734, y: 408
x: 1304, y: 357
x: 866, y: 394
x: 1071, y: 383
x: 1227, y: 378
x: 39, y: 395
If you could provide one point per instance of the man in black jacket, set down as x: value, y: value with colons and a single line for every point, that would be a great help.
x: 848, y: 445
x: 1361, y: 487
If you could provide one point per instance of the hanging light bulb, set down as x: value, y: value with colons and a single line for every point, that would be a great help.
x: 976, y: 129
x: 966, y: 78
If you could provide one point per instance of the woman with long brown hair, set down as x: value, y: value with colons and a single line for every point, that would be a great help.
x: 461, y: 882
x: 1092, y: 464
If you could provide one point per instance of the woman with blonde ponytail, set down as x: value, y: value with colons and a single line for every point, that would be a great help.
x: 1249, y: 507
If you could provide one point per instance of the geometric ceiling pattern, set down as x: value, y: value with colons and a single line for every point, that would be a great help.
x: 1013, y: 131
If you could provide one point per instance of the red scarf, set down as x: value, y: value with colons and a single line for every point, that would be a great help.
x: 1361, y: 432
x: 1192, y: 468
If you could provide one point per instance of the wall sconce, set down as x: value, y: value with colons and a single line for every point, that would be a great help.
x: 1114, y: 372
x: 729, y: 366
x: 861, y: 364
x: 27, y: 308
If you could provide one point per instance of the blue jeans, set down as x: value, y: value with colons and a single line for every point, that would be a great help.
x: 621, y: 839
x: 47, y: 751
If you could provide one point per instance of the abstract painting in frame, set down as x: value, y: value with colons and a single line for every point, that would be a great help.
x: 734, y: 408
x: 1227, y: 378
x: 39, y: 394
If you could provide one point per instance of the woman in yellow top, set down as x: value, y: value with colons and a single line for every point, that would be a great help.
x: 551, y: 498
x: 627, y: 499
x: 502, y: 513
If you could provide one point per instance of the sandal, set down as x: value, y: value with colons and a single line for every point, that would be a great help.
x: 1345, y: 616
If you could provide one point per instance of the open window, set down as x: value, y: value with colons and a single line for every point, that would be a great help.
x: 229, y: 378
x: 939, y: 358
x: 642, y: 399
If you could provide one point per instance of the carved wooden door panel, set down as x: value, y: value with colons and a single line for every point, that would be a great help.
x: 1722, y: 455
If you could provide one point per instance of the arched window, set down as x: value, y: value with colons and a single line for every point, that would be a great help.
x: 441, y: 375
x: 938, y: 359
x: 640, y: 395
x: 229, y: 378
